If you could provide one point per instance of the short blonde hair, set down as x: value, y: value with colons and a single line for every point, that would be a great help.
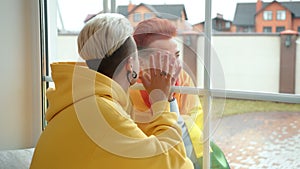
x: 103, y: 35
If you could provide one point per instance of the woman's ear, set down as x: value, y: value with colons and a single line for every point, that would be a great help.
x: 129, y: 64
x: 132, y: 76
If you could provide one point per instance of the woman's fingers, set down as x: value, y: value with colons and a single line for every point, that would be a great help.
x: 162, y: 72
x: 166, y: 62
x: 158, y: 61
x: 145, y: 77
x: 152, y: 66
x: 158, y: 77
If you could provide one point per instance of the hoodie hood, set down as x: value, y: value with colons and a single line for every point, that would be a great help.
x: 74, y: 82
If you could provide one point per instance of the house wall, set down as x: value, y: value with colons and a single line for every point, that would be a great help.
x: 260, y: 22
x: 296, y: 24
x: 179, y: 23
x: 220, y: 25
x: 20, y: 116
x: 141, y: 10
x: 232, y: 28
x: 249, y: 29
x: 198, y: 27
x: 297, y: 89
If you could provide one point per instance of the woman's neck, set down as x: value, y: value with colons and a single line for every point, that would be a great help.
x: 122, y: 81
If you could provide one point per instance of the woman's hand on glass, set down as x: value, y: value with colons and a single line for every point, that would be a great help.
x: 158, y: 78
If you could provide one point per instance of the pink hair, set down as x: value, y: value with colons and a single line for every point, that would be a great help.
x: 153, y: 29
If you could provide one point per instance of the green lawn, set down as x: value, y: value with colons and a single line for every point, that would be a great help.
x: 233, y: 106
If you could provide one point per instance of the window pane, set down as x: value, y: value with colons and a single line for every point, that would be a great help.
x: 147, y: 15
x: 267, y: 29
x: 267, y: 15
x: 247, y: 62
x: 280, y: 15
x: 245, y: 29
x: 280, y: 28
x: 227, y: 25
x: 136, y: 17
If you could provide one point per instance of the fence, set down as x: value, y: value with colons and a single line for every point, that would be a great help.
x: 248, y: 62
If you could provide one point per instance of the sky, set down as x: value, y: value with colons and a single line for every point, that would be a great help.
x: 74, y: 12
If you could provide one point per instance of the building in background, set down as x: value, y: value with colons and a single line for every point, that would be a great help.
x: 174, y: 12
x: 269, y: 17
x: 136, y: 13
x: 219, y: 24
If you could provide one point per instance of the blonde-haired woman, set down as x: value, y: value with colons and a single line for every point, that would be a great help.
x: 89, y: 124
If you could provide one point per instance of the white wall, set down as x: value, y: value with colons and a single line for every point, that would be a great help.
x: 242, y: 62
x: 297, y: 85
x: 250, y: 63
x: 20, y: 74
x: 239, y: 62
x: 67, y: 49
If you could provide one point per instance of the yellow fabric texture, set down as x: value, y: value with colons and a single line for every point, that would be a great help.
x: 189, y: 106
x: 88, y: 127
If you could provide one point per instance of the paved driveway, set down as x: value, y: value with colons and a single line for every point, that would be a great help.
x: 261, y: 140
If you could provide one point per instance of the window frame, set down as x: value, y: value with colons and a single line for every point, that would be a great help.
x: 280, y: 28
x: 267, y: 29
x: 268, y: 15
x: 281, y: 15
x: 227, y: 25
x: 148, y: 15
x: 137, y: 17
x: 46, y: 79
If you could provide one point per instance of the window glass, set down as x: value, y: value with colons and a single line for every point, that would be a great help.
x: 280, y: 28
x: 267, y: 15
x: 220, y: 26
x: 242, y: 29
x: 147, y: 15
x: 227, y: 25
x: 280, y: 15
x: 251, y: 29
x: 137, y: 17
x: 267, y: 29
x: 246, y: 29
x: 248, y: 62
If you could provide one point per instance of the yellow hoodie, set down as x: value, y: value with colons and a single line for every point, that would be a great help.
x: 88, y: 127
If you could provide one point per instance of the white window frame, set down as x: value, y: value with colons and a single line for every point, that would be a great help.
x: 268, y: 15
x: 281, y: 15
x: 207, y: 91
